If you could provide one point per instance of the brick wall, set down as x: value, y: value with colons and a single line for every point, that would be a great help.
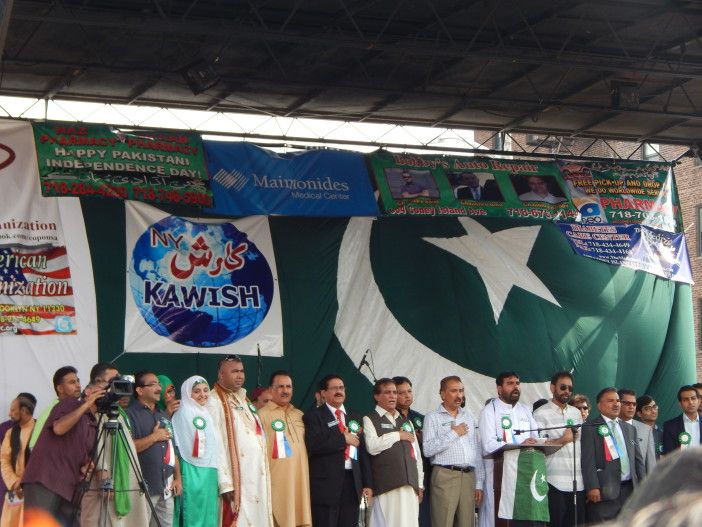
x: 688, y: 175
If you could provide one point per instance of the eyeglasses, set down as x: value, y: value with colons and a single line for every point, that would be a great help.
x: 629, y: 403
x: 564, y: 387
x: 150, y: 384
x: 650, y: 407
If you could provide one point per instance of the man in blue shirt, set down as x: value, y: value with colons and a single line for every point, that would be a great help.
x: 451, y: 442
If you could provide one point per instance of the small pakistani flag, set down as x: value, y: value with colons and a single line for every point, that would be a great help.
x: 524, y: 486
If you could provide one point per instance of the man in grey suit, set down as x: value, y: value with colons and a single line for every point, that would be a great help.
x: 612, y: 464
x: 644, y: 433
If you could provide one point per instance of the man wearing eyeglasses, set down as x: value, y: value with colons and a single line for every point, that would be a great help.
x: 647, y: 412
x: 559, y: 465
x: 644, y: 434
x: 153, y: 438
x: 339, y: 465
x: 243, y: 475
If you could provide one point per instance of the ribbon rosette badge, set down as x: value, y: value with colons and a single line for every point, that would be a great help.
x: 278, y: 425
x: 418, y: 422
x: 570, y: 422
x: 199, y: 423
x: 252, y: 407
x: 684, y: 438
x: 506, y: 423
x: 407, y: 427
x: 354, y: 427
x: 603, y: 430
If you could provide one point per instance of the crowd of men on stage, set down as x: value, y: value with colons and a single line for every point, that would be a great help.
x: 217, y: 457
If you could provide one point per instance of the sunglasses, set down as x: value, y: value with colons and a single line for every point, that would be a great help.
x: 564, y: 387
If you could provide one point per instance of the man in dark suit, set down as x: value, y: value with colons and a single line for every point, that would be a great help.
x: 612, y: 463
x: 684, y: 430
x: 339, y: 468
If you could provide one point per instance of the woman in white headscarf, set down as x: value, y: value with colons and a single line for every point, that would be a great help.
x: 198, y: 444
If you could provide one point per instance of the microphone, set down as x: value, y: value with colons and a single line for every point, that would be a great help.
x: 363, y: 360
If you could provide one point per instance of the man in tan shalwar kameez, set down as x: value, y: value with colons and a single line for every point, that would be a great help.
x: 290, y: 479
x: 243, y: 474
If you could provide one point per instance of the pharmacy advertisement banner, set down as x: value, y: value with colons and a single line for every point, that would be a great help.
x: 96, y: 160
x: 247, y: 180
x: 36, y: 292
x: 635, y: 246
x: 200, y: 285
x: 624, y: 192
x: 422, y: 185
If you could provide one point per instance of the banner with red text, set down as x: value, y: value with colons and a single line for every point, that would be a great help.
x: 200, y: 285
x: 98, y: 160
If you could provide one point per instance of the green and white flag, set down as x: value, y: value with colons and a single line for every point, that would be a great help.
x: 431, y: 297
x: 524, y: 491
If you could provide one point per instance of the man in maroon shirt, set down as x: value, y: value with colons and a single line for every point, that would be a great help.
x: 61, y: 456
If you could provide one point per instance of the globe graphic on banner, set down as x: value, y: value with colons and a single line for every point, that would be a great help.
x: 200, y: 285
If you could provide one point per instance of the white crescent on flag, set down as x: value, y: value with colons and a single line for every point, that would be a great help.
x: 364, y: 321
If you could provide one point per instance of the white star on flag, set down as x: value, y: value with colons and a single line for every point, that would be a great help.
x: 500, y: 258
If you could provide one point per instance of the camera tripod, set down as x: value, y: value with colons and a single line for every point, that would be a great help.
x: 110, y: 432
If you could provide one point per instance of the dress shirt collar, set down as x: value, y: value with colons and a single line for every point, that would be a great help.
x: 382, y: 412
x: 503, y: 406
x: 333, y: 410
x: 442, y: 409
x: 686, y: 419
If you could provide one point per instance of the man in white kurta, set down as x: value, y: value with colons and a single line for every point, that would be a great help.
x: 250, y: 471
x: 398, y: 507
x: 498, y: 421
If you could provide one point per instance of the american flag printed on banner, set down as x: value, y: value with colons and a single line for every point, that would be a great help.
x: 36, y: 294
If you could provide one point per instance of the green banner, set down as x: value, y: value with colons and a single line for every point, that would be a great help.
x: 470, y: 186
x: 96, y: 160
x: 624, y: 192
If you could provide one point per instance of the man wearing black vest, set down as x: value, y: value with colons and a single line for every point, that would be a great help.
x: 339, y: 467
x: 396, y: 462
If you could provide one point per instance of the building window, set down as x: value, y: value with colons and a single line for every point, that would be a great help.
x: 651, y: 152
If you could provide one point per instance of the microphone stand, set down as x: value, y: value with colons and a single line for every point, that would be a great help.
x: 574, y: 428
x: 364, y: 362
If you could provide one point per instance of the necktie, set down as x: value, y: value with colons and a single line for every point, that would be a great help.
x: 621, y: 447
x: 342, y: 429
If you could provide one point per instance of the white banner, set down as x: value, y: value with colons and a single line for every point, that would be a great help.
x: 200, y: 285
x: 47, y: 296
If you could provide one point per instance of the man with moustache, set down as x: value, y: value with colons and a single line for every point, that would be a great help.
x: 451, y: 441
x: 508, y: 411
x: 559, y: 465
x: 285, y: 438
x: 339, y: 466
x: 612, y: 464
x: 244, y: 493
x: 61, y: 456
x: 405, y: 399
x: 644, y: 433
x: 66, y: 385
x: 153, y: 439
x: 396, y: 462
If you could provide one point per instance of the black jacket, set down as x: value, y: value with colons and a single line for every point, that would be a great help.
x: 326, y: 446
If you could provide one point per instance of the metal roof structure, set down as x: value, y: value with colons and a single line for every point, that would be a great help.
x: 626, y: 69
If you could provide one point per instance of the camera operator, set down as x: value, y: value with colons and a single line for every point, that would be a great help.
x: 123, y: 504
x: 61, y: 456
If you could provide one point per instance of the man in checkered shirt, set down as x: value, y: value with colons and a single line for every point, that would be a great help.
x: 451, y: 442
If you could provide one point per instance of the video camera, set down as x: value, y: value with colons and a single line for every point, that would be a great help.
x: 118, y: 387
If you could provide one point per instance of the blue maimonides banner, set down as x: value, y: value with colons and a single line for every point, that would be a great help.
x: 247, y: 179
x: 200, y: 285
x: 635, y: 246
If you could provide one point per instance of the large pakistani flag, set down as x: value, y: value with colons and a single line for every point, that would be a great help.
x: 431, y: 297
